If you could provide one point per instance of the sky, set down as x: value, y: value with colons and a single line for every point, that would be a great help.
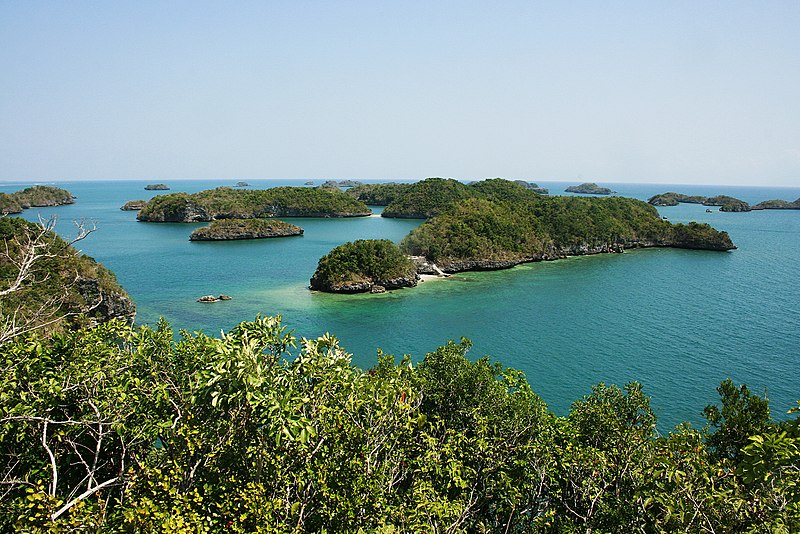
x: 694, y: 92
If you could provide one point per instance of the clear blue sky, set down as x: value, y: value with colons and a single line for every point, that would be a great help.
x: 636, y: 91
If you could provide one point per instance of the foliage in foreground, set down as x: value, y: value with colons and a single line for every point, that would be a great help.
x: 122, y: 429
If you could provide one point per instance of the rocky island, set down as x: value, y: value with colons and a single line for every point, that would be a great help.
x: 229, y: 203
x: 37, y: 196
x: 373, y: 265
x: 532, y: 186
x: 672, y: 199
x: 589, y: 188
x: 156, y: 187
x: 133, y: 205
x: 497, y: 224
x: 378, y: 194
x: 231, y: 229
x: 727, y: 203
x: 340, y: 183
x: 777, y: 205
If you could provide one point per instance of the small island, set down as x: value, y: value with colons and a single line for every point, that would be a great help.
x: 777, y: 205
x: 156, y: 187
x: 341, y: 183
x: 673, y: 199
x: 133, y: 205
x: 532, y: 186
x: 727, y: 203
x: 231, y: 229
x: 366, y: 265
x: 230, y: 203
x: 241, y: 184
x: 37, y: 196
x: 589, y: 188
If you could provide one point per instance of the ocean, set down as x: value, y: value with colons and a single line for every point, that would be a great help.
x: 678, y: 321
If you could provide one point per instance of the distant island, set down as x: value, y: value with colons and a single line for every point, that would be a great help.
x: 373, y: 265
x: 229, y: 203
x: 37, y: 196
x: 589, y: 188
x: 241, y: 184
x: 157, y: 187
x: 497, y: 224
x: 230, y: 229
x: 341, y: 183
x: 725, y: 202
x: 532, y: 186
x: 133, y: 205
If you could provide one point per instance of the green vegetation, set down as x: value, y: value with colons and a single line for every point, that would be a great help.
x: 672, y: 199
x: 378, y: 194
x: 228, y: 229
x: 46, y: 284
x: 427, y: 198
x: 589, y: 188
x: 360, y: 265
x: 485, y: 234
x: 777, y: 205
x: 9, y: 204
x: 532, y: 186
x: 35, y: 196
x: 721, y: 200
x: 229, y: 203
x: 133, y: 205
x: 116, y: 429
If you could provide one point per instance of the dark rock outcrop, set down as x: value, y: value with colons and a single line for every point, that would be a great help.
x: 105, y: 303
x: 156, y: 187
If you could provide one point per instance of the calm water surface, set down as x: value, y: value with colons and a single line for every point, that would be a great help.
x: 678, y: 321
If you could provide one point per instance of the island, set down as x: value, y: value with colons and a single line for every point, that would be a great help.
x: 37, y: 196
x: 230, y: 229
x: 427, y: 198
x: 241, y: 184
x: 589, y: 188
x: 378, y: 194
x: 672, y: 199
x: 157, y: 187
x: 229, y: 203
x: 133, y: 205
x: 777, y: 205
x: 365, y: 265
x: 727, y: 203
x: 532, y: 186
x: 341, y: 183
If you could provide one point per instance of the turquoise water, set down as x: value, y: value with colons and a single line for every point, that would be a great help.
x: 678, y: 321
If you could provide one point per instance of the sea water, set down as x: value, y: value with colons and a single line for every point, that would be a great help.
x: 678, y: 321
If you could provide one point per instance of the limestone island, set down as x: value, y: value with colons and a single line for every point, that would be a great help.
x: 366, y: 265
x: 241, y: 184
x: 156, y: 187
x: 231, y: 229
x: 229, y: 203
x: 501, y: 224
x: 589, y: 188
x: 133, y: 205
x: 37, y: 196
x: 341, y: 183
x: 777, y: 205
x: 532, y: 186
x: 725, y: 202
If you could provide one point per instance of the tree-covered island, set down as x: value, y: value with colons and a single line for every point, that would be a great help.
x: 229, y: 203
x: 232, y: 229
x: 364, y: 265
x: 589, y: 188
x: 35, y: 196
